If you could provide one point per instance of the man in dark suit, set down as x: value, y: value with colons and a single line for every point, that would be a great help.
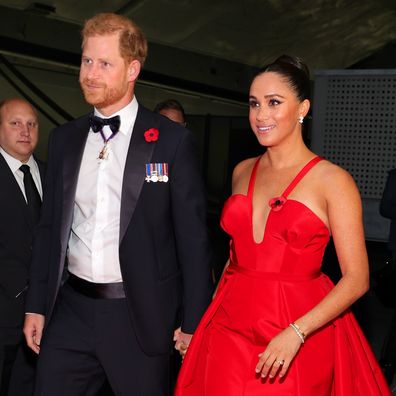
x: 388, y: 210
x: 172, y: 109
x: 121, y: 256
x: 18, y: 139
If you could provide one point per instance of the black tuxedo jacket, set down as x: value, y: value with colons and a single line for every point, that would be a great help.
x: 16, y: 236
x: 164, y: 251
x: 388, y: 208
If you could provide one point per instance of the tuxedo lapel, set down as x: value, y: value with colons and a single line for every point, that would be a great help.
x: 73, y: 153
x: 42, y: 169
x: 139, y: 154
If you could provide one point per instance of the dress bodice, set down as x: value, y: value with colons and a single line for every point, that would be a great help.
x: 268, y: 285
x: 294, y: 238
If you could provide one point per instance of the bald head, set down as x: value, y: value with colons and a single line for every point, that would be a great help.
x: 18, y: 128
x: 16, y: 101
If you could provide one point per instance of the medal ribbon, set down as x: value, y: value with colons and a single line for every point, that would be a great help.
x: 97, y: 124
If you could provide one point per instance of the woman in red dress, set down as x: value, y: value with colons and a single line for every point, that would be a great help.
x: 277, y: 325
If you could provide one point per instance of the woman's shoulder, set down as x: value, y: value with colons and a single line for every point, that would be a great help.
x: 327, y: 169
x: 245, y: 166
x: 332, y: 177
x: 241, y: 174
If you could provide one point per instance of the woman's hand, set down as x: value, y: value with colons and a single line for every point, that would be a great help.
x: 279, y: 354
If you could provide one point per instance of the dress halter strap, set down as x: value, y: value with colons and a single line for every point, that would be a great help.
x: 293, y: 183
x: 253, y: 178
x: 300, y: 175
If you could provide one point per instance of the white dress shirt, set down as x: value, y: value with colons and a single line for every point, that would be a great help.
x: 94, y: 239
x: 15, y: 164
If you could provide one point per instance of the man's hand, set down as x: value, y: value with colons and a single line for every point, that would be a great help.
x: 182, y: 341
x: 33, y: 330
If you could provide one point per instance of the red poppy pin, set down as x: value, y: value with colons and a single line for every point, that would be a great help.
x: 151, y: 135
x: 277, y: 203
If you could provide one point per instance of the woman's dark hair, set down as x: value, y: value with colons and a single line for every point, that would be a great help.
x: 295, y: 72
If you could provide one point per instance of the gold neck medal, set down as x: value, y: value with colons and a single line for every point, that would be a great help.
x: 104, y: 153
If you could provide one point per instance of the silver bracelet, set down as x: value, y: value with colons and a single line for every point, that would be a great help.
x: 298, y: 332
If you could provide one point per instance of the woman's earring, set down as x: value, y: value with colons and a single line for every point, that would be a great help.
x: 301, y: 119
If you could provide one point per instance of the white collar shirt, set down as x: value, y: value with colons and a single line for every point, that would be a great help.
x: 14, y: 165
x: 93, y: 251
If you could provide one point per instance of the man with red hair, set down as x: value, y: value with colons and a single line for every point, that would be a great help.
x: 121, y: 258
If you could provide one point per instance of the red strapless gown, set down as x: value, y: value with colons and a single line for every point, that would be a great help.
x: 267, y: 286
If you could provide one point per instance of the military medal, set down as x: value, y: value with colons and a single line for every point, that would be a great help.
x: 97, y: 125
x: 154, y: 173
x: 104, y: 153
x: 163, y: 172
x: 157, y: 172
x: 148, y: 173
x: 165, y: 177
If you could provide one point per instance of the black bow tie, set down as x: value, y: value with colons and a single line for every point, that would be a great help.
x: 98, y: 123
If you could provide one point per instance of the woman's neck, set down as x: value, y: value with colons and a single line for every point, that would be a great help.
x: 287, y: 157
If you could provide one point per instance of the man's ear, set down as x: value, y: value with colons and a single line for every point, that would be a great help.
x: 134, y: 70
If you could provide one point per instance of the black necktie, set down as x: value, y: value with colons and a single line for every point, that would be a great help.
x: 32, y: 194
x: 98, y: 123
